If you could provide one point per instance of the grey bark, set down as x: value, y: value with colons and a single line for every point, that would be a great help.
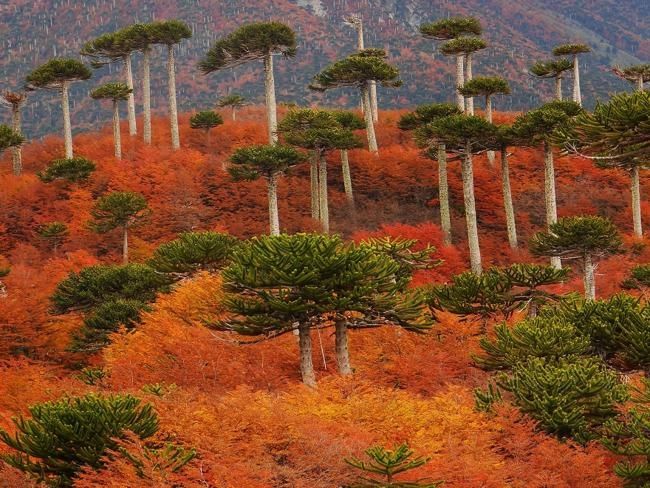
x: 639, y: 83
x: 324, y: 207
x: 234, y: 113
x: 636, y: 202
x: 271, y: 107
x: 577, y: 97
x: 274, y: 218
x: 488, y: 117
x: 117, y: 139
x: 17, y: 152
x: 507, y: 200
x: 589, y: 277
x: 467, y: 172
x: 443, y: 194
x: 146, y: 94
x: 306, y: 364
x: 549, y: 194
x: 67, y: 127
x: 347, y: 177
x: 173, y: 111
x: 342, y: 351
x: 125, y: 245
x: 460, y: 81
x: 370, y: 125
x: 128, y: 78
x: 558, y: 88
x: 468, y: 76
x: 315, y: 196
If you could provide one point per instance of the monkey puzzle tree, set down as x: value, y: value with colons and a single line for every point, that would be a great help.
x: 269, y: 162
x: 320, y: 132
x: 71, y: 170
x: 261, y: 40
x: 9, y: 138
x: 205, y: 121
x: 356, y: 71
x: 584, y: 239
x: 58, y: 74
x: 464, y: 135
x: 234, y: 101
x: 573, y: 50
x: 554, y: 68
x: 169, y: 33
x: 349, y: 121
x: 15, y: 100
x: 464, y: 46
x: 638, y: 74
x: 108, y: 48
x: 505, y: 138
x: 114, y: 92
x: 121, y: 210
x: 452, y: 28
x: 423, y: 115
x: 54, y: 233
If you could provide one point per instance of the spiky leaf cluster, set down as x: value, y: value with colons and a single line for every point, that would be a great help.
x: 458, y: 133
x: 371, y: 52
x: 194, y: 251
x: 552, y: 68
x: 451, y: 28
x: 233, y: 100
x: 252, y: 162
x: 107, y: 48
x: 205, y: 120
x: 539, y: 125
x: 73, y: 170
x: 9, y: 138
x: 111, y: 91
x: 53, y: 232
x: 462, y: 45
x: 570, y: 49
x: 484, y: 86
x: 119, y: 209
x: 639, y: 278
x: 348, y: 120
x: 168, y: 32
x: 318, y: 130
x: 356, y: 71
x: 56, y: 72
x: 634, y: 73
x: 425, y: 114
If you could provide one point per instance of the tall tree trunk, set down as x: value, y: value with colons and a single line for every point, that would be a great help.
x: 370, y: 125
x: 128, y: 77
x: 117, y: 138
x: 558, y: 88
x: 488, y: 117
x: 17, y: 152
x: 639, y: 83
x: 576, y: 81
x: 470, y: 210
x: 173, y: 110
x: 443, y: 195
x: 125, y: 245
x: 469, y: 102
x: 342, y: 352
x: 271, y: 108
x: 589, y: 278
x: 347, y: 178
x: 274, y: 218
x: 549, y: 194
x: 315, y: 192
x: 324, y: 207
x: 67, y: 126
x: 460, y: 81
x: 306, y: 364
x: 234, y: 113
x: 507, y: 199
x: 146, y: 93
x: 373, y: 101
x: 636, y: 202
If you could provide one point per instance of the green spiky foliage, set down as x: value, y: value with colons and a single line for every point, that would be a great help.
x: 54, y: 233
x: 356, y: 71
x: 638, y: 74
x: 64, y: 436
x: 552, y: 68
x: 9, y: 138
x: 205, y: 120
x: 371, y: 52
x: 248, y: 43
x: 538, y: 125
x: 451, y: 28
x: 385, y: 466
x: 317, y: 130
x: 348, y: 120
x: 234, y: 100
x: 549, y: 338
x: 425, y: 114
x: 461, y: 134
x: 570, y: 49
x: 119, y: 210
x: 639, y: 278
x: 111, y: 91
x: 484, y: 86
x: 107, y: 48
x: 194, y: 251
x: 569, y: 398
x: 168, y: 32
x: 56, y: 72
x: 137, y: 36
x: 91, y: 376
x: 264, y: 161
x: 485, y: 399
x: 72, y: 170
x: 462, y: 45
x: 529, y: 282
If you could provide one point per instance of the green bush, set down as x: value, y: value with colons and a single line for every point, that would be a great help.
x: 194, y: 251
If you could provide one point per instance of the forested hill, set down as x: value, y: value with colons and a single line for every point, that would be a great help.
x: 32, y: 31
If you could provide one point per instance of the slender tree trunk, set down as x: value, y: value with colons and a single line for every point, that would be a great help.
x: 306, y: 364
x: 315, y: 192
x: 488, y: 117
x: 17, y: 152
x: 274, y: 218
x: 443, y: 195
x: 636, y: 202
x: 67, y: 126
x: 347, y: 178
x: 128, y: 77
x: 532, y: 309
x: 507, y: 199
x: 117, y: 137
x: 146, y: 93
x: 549, y: 194
x: 589, y: 278
x: 234, y: 113
x: 173, y: 110
x: 125, y: 245
x: 324, y: 207
x: 639, y: 83
x: 271, y: 108
x: 470, y: 210
x: 460, y: 81
x: 342, y: 351
x: 370, y: 125
x: 373, y: 101
x: 468, y: 76
x: 558, y: 88
x: 576, y: 81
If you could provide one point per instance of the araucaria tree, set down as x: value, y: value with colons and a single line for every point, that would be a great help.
x: 573, y: 50
x: 584, y: 239
x: 252, y: 42
x: 234, y: 101
x: 15, y: 101
x: 9, y: 138
x: 422, y: 116
x: 269, y: 162
x: 122, y: 210
x: 466, y: 46
x: 205, y: 121
x: 114, y: 92
x: 452, y: 28
x: 356, y: 22
x: 554, y: 68
x: 505, y: 138
x: 169, y: 33
x: 639, y: 74
x: 278, y: 284
x: 349, y: 121
x: 356, y: 71
x: 58, y: 74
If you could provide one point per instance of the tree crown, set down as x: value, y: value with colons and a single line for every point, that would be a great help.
x: 56, y: 72
x: 250, y: 163
x: 107, y: 48
x: 9, y: 138
x: 539, y: 124
x: 349, y: 120
x: 425, y: 114
x: 356, y: 71
x: 484, y: 86
x: 451, y: 28
x: 119, y: 209
x: 205, y: 120
x: 566, y: 49
x: 371, y: 52
x: 462, y: 45
x: 168, y: 32
x: 14, y: 99
x: 553, y: 68
x: 111, y: 91
x: 233, y: 100
x: 316, y: 129
x: 457, y: 132
x: 70, y: 169
x: 634, y: 73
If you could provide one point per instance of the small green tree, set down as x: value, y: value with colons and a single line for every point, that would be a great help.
x: 639, y: 279
x: 9, y: 138
x: 269, y: 162
x: 122, y: 210
x: 529, y: 282
x: 584, y: 239
x: 234, y: 101
x: 349, y: 121
x: 464, y: 46
x: 252, y: 42
x: 638, y: 74
x: 205, y: 121
x: 64, y: 436
x: 72, y: 170
x: 54, y: 233
x: 58, y: 74
x: 554, y: 68
x: 15, y: 101
x: 573, y: 50
x: 115, y: 92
